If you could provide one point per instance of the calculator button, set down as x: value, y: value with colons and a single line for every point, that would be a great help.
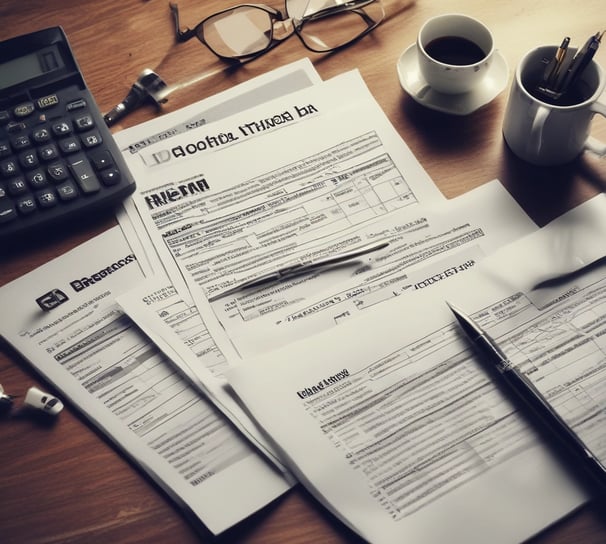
x: 8, y: 168
x: 69, y: 145
x: 92, y: 139
x: 47, y: 199
x: 23, y: 110
x: 67, y: 191
x: 84, y: 122
x: 26, y: 205
x: 102, y: 159
x: 5, y: 117
x: 110, y: 176
x: 13, y: 127
x: 29, y: 159
x: 48, y: 152
x: 16, y: 186
x: 61, y: 128
x: 76, y: 104
x: 5, y: 149
x: 82, y: 171
x: 47, y: 101
x: 41, y: 135
x: 7, y: 210
x: 57, y: 171
x: 37, y: 179
x: 20, y: 142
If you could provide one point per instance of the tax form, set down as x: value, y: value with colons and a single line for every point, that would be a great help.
x: 394, y: 424
x: 293, y: 178
x: 174, y: 324
x: 278, y: 82
x: 458, y: 233
x: 63, y: 318
x: 549, y: 316
x: 429, y: 244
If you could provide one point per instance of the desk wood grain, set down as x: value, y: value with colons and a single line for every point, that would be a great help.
x: 64, y: 483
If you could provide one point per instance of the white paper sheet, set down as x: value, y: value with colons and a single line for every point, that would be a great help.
x: 93, y: 353
x: 428, y: 245
x: 392, y: 421
x: 334, y: 166
x: 279, y: 82
x: 174, y: 324
x: 555, y: 332
x: 207, y: 363
x: 456, y: 234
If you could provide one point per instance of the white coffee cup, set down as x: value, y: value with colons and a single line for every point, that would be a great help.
x: 549, y: 134
x: 447, y: 60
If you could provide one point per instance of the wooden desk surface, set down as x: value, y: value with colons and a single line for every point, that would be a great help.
x: 65, y: 483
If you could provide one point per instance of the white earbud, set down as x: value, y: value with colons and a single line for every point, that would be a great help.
x: 40, y: 400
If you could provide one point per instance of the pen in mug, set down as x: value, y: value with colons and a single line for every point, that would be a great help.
x: 303, y: 267
x: 579, y: 62
x: 530, y: 396
x: 553, y: 69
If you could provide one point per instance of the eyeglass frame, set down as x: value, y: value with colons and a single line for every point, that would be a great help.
x: 276, y: 16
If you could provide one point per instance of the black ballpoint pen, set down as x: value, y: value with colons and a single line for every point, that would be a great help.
x: 531, y: 397
x: 579, y: 62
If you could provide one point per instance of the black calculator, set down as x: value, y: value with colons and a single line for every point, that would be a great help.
x: 58, y: 159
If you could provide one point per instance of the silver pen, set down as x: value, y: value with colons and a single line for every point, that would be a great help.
x: 303, y: 267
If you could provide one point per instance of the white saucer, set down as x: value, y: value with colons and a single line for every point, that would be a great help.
x: 458, y: 104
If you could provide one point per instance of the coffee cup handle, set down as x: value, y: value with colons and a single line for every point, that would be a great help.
x: 593, y: 144
x: 535, y: 141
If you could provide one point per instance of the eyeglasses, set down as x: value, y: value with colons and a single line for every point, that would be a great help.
x: 247, y: 31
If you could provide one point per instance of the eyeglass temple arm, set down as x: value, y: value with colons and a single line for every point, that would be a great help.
x: 350, y: 6
x: 181, y: 35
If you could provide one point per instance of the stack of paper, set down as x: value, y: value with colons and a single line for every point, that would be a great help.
x: 390, y: 422
x: 401, y: 430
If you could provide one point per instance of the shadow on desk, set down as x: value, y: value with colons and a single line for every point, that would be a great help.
x: 446, y: 134
x: 51, y: 241
x: 474, y: 144
x: 302, y: 511
x: 547, y: 192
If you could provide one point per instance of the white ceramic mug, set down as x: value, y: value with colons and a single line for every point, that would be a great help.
x: 448, y: 77
x: 549, y: 134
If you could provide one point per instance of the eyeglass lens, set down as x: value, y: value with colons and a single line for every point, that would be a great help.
x: 327, y: 24
x: 330, y: 24
x: 241, y: 31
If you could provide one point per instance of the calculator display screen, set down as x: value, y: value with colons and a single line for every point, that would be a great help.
x: 27, y: 67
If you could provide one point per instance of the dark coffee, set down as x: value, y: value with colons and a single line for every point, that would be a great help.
x: 455, y: 50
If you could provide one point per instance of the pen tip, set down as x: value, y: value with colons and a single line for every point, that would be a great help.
x: 452, y: 307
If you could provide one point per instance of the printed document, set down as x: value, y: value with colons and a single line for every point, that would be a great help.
x: 174, y: 324
x: 208, y: 360
x: 279, y: 82
x: 549, y: 316
x: 427, y: 245
x: 294, y: 178
x: 63, y: 318
x: 157, y: 302
x: 400, y: 430
x: 457, y: 234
